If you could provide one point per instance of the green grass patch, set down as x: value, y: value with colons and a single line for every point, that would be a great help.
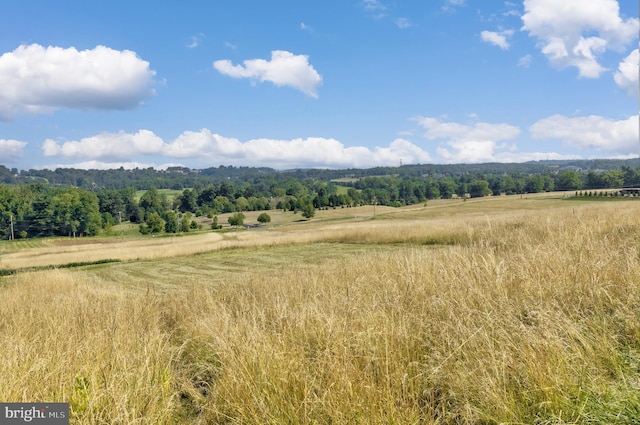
x: 171, y: 194
x: 218, y: 266
x: 9, y: 272
x: 20, y: 244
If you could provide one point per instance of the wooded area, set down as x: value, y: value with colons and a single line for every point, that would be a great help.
x: 70, y: 202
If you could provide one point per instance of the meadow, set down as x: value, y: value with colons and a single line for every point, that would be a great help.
x: 501, y: 310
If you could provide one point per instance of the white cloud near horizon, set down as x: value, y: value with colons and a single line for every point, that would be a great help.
x: 36, y: 79
x: 574, y: 33
x: 478, y: 142
x: 11, y: 150
x: 213, y: 149
x: 615, y: 137
x: 627, y: 75
x: 284, y: 69
x: 475, y: 143
x: 106, y: 146
x: 497, y: 38
x: 100, y: 165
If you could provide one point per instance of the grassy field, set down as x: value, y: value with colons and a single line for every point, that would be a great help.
x: 502, y: 310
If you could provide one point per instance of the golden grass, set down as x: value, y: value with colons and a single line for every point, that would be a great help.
x: 527, y: 316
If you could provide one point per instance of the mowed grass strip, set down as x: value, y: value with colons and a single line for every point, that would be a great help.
x: 225, y: 265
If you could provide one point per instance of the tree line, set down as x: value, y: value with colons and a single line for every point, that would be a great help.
x: 178, y: 178
x: 38, y: 208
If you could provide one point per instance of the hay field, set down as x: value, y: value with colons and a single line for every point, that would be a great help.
x: 516, y: 311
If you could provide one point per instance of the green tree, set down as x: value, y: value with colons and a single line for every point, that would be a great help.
x: 631, y: 176
x: 222, y: 204
x: 534, y: 184
x: 152, y: 201
x: 447, y: 187
x: 188, y: 201
x: 75, y: 212
x: 569, y: 180
x: 264, y: 218
x: 307, y: 210
x: 508, y: 185
x: 242, y: 204
x: 154, y: 224
x: 479, y: 188
x: 214, y: 223
x: 613, y: 178
x: 171, y: 222
x: 236, y: 219
x: 355, y: 196
x: 185, y: 222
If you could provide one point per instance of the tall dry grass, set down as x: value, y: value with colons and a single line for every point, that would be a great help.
x: 523, y: 318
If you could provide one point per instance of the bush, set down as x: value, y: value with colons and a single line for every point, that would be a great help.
x: 236, y: 219
x: 264, y: 218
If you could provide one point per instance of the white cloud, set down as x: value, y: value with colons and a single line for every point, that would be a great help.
x: 11, y: 150
x: 99, y: 165
x: 525, y: 61
x: 210, y: 149
x: 284, y: 69
x: 403, y: 23
x: 37, y: 79
x: 195, y: 41
x: 106, y: 146
x: 469, y: 143
x: 449, y: 5
x: 373, y: 5
x: 437, y: 129
x: 532, y: 156
x: 194, y: 144
x: 295, y: 153
x: 497, y: 38
x: 575, y: 32
x: 590, y: 132
x: 627, y: 75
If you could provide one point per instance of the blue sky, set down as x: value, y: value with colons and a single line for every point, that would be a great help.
x: 329, y: 84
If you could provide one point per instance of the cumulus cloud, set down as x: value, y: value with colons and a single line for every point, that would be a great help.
x: 209, y: 149
x: 479, y: 142
x: 11, y: 150
x: 106, y: 146
x: 576, y: 32
x: 295, y: 153
x: 590, y: 132
x: 497, y: 38
x: 37, y: 79
x: 284, y: 69
x: 627, y: 75
x: 203, y: 143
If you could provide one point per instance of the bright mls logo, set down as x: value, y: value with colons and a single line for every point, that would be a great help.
x: 37, y: 413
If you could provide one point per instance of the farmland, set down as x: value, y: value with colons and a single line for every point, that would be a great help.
x: 507, y: 309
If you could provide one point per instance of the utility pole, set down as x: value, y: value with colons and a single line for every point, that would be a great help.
x: 120, y: 224
x: 12, y: 235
